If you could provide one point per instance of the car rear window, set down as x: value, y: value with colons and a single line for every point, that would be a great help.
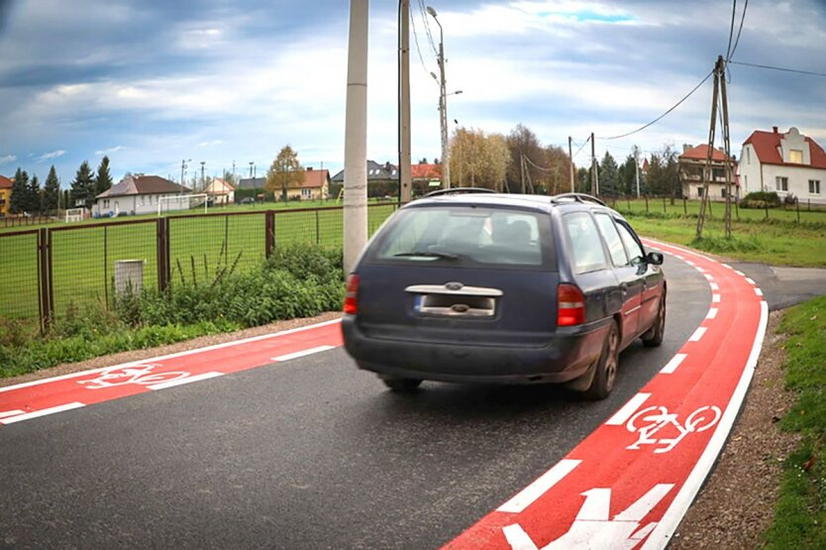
x: 468, y: 235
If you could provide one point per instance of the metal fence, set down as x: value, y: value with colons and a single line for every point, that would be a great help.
x: 45, y: 272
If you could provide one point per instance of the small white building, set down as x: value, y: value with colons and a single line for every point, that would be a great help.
x: 221, y: 191
x: 139, y: 194
x: 789, y: 163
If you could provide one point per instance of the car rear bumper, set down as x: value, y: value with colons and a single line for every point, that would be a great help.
x: 566, y: 357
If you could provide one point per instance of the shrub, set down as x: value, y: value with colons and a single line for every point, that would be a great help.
x: 760, y: 199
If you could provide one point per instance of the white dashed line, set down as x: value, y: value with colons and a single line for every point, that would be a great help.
x: 712, y: 313
x: 700, y: 269
x: 529, y: 494
x: 15, y: 412
x: 42, y: 412
x: 758, y: 291
x: 709, y: 277
x: 698, y: 334
x: 679, y: 257
x: 303, y: 353
x: 714, y: 286
x: 187, y: 380
x: 740, y: 273
x: 750, y: 281
x: 627, y: 410
x: 715, y: 298
x: 689, y: 262
x: 727, y: 266
x: 675, y: 362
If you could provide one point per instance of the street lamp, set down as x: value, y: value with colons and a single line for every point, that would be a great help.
x: 442, y: 102
x: 183, y: 174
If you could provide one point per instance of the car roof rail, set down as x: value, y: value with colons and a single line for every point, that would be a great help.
x: 457, y: 190
x: 578, y: 197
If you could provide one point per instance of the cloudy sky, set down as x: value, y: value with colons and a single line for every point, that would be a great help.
x: 151, y: 83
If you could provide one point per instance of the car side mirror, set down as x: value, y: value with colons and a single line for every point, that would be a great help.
x: 654, y: 258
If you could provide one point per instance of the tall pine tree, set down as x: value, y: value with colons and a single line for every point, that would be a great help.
x: 103, y: 181
x: 51, y: 192
x: 19, y: 192
x: 33, y: 196
x: 83, y: 188
x: 608, y: 175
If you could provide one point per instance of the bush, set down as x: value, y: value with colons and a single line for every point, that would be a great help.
x: 721, y: 245
x: 760, y: 199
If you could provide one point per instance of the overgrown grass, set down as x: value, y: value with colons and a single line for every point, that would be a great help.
x: 297, y: 281
x: 773, y: 242
x: 800, y: 516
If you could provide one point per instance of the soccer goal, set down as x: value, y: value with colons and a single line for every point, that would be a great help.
x: 74, y: 215
x: 182, y: 202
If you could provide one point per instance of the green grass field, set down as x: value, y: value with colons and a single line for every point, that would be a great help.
x: 84, y: 255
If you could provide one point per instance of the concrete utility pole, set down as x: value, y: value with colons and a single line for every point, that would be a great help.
x: 442, y: 102
x: 203, y: 181
x: 594, y: 168
x: 637, y: 168
x: 355, y: 138
x: 571, y: 163
x: 405, y: 171
x: 183, y: 174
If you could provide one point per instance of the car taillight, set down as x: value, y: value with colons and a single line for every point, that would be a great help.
x: 570, y: 304
x: 351, y: 294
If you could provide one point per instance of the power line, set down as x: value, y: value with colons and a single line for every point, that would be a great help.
x: 641, y: 128
x: 777, y: 68
x: 731, y: 29
x: 423, y: 12
x: 532, y: 163
x: 416, y: 39
x: 737, y: 40
x: 584, y: 143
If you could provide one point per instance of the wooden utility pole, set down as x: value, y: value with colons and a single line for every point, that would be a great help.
x: 718, y: 97
x: 571, y: 163
x: 594, y: 168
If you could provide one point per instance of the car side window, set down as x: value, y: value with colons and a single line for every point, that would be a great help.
x: 612, y: 239
x: 633, y: 247
x: 583, y: 238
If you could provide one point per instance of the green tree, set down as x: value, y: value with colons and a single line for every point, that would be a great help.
x: 51, y: 192
x: 19, y: 192
x: 103, y: 180
x: 33, y: 196
x: 608, y: 175
x: 83, y: 187
x: 284, y: 172
x: 628, y: 177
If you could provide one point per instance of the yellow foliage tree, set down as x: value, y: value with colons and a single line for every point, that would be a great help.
x: 285, y: 172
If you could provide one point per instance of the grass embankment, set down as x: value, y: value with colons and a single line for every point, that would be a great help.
x: 773, y: 241
x: 800, y: 516
x: 296, y: 281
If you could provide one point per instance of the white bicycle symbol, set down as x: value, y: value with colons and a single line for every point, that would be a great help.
x: 648, y: 422
x: 139, y: 374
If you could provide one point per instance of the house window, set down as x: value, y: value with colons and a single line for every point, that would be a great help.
x: 796, y: 156
x: 814, y: 187
x: 700, y: 192
x: 782, y: 183
x: 306, y: 193
x: 106, y: 203
x: 748, y: 155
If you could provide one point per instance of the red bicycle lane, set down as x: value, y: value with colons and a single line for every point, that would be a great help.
x: 54, y: 395
x: 630, y: 481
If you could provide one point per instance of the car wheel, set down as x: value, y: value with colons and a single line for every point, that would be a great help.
x: 654, y: 336
x: 401, y: 385
x: 606, y: 369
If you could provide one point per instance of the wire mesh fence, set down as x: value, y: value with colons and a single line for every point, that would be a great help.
x: 20, y: 269
x: 48, y: 272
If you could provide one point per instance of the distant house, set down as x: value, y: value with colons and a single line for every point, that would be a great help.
x: 692, y: 172
x: 789, y: 163
x: 426, y: 177
x: 316, y: 186
x: 5, y: 195
x: 220, y: 191
x: 139, y: 194
x: 382, y: 179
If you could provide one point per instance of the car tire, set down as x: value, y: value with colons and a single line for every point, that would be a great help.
x: 606, y: 368
x: 401, y: 385
x: 654, y: 337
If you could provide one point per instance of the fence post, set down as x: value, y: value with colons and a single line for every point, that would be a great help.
x: 797, y: 204
x: 317, y: 234
x: 664, y: 210
x: 646, y: 204
x: 162, y: 244
x: 46, y: 295
x: 269, y: 219
x: 106, y: 264
x: 766, y: 208
x: 685, y: 207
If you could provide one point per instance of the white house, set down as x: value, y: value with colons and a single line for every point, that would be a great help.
x: 221, y: 191
x: 139, y: 194
x: 788, y: 163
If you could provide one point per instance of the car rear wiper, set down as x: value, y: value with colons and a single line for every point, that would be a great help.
x: 427, y: 254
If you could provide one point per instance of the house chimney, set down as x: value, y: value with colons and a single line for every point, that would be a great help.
x: 775, y: 129
x: 686, y: 147
x: 309, y: 168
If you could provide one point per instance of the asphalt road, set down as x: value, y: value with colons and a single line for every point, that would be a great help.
x: 310, y: 453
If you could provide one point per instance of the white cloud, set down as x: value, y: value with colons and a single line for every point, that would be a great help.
x: 211, y: 143
x: 109, y: 151
x: 8, y: 159
x: 51, y: 155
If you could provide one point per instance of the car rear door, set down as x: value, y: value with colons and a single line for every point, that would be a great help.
x: 461, y: 274
x: 651, y: 276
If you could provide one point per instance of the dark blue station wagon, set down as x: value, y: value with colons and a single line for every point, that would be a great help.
x: 468, y: 286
